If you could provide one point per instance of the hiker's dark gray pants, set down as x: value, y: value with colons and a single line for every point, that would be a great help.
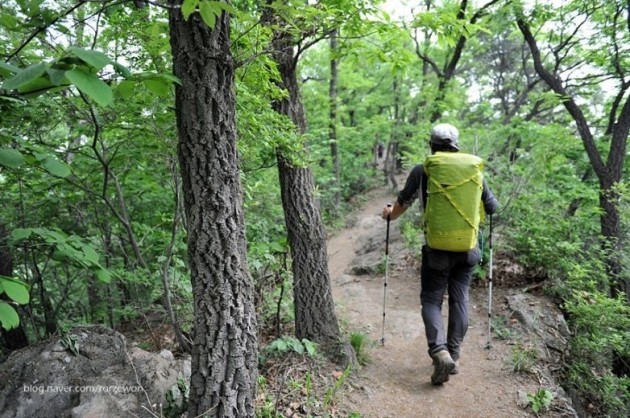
x: 442, y: 270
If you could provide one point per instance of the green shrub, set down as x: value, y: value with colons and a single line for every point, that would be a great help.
x: 523, y: 358
x: 359, y: 341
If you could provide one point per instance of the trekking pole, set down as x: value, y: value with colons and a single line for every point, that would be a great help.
x: 489, y: 345
x: 386, y: 272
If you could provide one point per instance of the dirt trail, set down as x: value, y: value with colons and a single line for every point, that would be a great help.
x: 396, y: 382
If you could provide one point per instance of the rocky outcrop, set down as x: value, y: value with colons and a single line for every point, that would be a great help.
x: 370, y: 248
x: 91, y: 372
x: 544, y: 328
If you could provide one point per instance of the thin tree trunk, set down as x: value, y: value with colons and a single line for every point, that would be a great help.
x: 184, y: 343
x: 333, y: 123
x: 50, y: 322
x: 224, y: 355
x: 391, y: 159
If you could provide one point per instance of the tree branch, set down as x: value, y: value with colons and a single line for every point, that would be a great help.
x: 615, y: 106
x: 568, y: 101
x: 449, y: 70
x: 426, y: 58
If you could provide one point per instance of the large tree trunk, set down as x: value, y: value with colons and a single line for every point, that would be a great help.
x: 315, y: 316
x: 224, y: 356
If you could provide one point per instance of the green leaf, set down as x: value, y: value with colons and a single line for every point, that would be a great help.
x: 10, y: 100
x: 298, y: 348
x: 221, y: 5
x: 209, y: 13
x: 20, y: 234
x: 157, y: 87
x: 11, y: 158
x: 8, y: 317
x: 16, y: 290
x: 188, y: 7
x: 311, y: 347
x: 7, y: 69
x: 71, y: 343
x: 57, y: 76
x: 37, y: 87
x: 9, y: 21
x: 122, y: 70
x: 26, y: 75
x: 56, y: 167
x: 50, y: 236
x: 125, y: 89
x: 96, y: 59
x: 278, y: 346
x: 171, y: 78
x: 64, y: 29
x: 104, y: 275
x: 91, y: 85
x: 90, y: 254
x: 40, y: 156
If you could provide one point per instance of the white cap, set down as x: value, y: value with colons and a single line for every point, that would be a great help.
x: 445, y: 134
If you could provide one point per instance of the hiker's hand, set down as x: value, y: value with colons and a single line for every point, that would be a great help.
x: 387, y: 211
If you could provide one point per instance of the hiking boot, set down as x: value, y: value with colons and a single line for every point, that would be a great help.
x: 456, y: 368
x: 443, y: 366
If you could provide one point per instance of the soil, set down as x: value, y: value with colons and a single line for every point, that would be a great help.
x: 396, y: 380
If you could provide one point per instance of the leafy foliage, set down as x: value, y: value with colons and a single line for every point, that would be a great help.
x: 291, y: 344
x: 18, y: 292
x: 540, y: 400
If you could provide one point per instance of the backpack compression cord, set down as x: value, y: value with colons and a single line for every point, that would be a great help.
x: 453, y: 211
x: 386, y: 270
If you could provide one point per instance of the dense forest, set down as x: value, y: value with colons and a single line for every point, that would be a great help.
x: 186, y: 159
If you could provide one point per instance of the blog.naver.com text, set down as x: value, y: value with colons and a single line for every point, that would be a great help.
x: 80, y: 389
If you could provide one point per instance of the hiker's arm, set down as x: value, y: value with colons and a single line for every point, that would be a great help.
x: 490, y: 203
x: 393, y: 211
x: 407, y: 195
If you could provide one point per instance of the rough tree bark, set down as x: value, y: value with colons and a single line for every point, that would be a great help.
x: 315, y: 316
x: 224, y: 355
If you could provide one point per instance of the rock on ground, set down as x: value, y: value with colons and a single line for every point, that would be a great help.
x: 90, y: 372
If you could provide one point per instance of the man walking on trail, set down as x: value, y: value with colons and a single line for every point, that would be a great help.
x: 451, y: 266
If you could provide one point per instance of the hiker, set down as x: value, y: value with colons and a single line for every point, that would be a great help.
x: 442, y: 269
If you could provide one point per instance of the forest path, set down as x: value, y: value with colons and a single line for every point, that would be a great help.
x: 396, y: 382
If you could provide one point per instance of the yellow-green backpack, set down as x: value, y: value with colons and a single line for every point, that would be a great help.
x: 453, y: 210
